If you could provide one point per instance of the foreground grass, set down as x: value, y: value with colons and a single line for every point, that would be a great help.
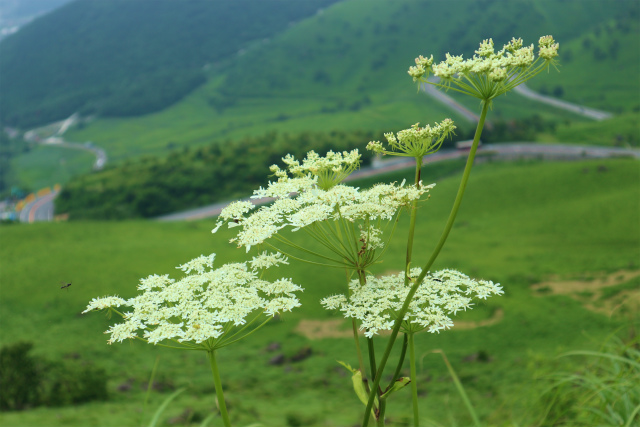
x: 519, y: 224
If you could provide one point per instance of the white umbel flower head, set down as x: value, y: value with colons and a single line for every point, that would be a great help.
x: 205, y: 304
x: 300, y: 201
x: 440, y: 295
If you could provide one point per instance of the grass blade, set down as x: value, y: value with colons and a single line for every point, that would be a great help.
x: 164, y: 405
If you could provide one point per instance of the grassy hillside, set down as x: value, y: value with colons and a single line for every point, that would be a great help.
x: 600, y: 68
x: 346, y: 68
x: 192, y: 178
x: 123, y: 58
x: 520, y: 224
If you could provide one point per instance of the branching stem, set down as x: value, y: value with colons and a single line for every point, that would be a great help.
x: 425, y: 270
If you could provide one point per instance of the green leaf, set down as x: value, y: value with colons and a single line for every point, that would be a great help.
x: 348, y: 367
x: 400, y: 383
x: 358, y: 386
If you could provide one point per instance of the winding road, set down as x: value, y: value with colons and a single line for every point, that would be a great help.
x: 42, y: 208
x: 521, y: 89
x: 57, y: 130
x: 503, y: 150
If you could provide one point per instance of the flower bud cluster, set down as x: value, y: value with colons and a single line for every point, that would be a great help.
x: 416, y: 141
x: 513, y: 62
x: 440, y: 295
x: 327, y: 171
x: 204, y: 304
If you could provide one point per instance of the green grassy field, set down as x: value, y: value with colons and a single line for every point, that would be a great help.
x: 520, y: 224
x: 45, y: 166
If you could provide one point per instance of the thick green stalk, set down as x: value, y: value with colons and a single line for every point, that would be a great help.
x: 383, y: 408
x: 356, y: 338
x: 425, y: 270
x: 414, y: 383
x: 218, y: 383
x: 403, y: 352
x: 412, y: 221
x: 372, y: 356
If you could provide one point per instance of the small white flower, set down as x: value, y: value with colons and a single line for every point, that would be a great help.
x: 104, y: 302
x: 266, y: 260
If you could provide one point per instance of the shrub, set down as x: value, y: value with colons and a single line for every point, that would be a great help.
x: 27, y: 381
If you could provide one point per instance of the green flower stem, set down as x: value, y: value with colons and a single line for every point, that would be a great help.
x: 425, y: 270
x: 218, y: 384
x: 372, y: 357
x: 383, y: 409
x: 228, y: 342
x: 370, y: 348
x: 414, y: 383
x: 356, y: 338
x: 412, y: 222
x: 403, y: 353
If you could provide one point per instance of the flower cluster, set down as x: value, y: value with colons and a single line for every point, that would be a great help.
x: 441, y: 294
x: 328, y: 171
x: 206, y: 303
x: 416, y: 141
x: 300, y: 202
x: 489, y: 73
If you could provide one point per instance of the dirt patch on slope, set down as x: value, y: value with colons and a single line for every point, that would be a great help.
x: 591, y: 291
x: 341, y: 328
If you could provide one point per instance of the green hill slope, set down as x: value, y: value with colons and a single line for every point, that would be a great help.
x: 123, y: 58
x: 346, y: 69
x: 517, y: 225
x: 600, y: 68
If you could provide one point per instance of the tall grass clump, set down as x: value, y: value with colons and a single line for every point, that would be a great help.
x: 602, y: 389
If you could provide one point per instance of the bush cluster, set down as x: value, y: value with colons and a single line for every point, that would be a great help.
x: 27, y: 381
x: 194, y: 177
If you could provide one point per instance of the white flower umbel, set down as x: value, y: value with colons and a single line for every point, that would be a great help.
x: 337, y: 215
x: 203, y: 309
x: 415, y: 142
x: 488, y: 74
x: 440, y: 295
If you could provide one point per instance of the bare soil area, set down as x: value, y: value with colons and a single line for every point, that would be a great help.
x: 341, y: 328
x: 589, y: 291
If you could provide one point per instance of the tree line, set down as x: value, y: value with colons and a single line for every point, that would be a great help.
x: 194, y: 177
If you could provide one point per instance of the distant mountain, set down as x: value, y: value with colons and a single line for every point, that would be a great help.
x: 16, y: 13
x: 356, y: 49
x: 124, y: 57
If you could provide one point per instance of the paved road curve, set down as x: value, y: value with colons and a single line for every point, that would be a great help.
x: 41, y: 209
x: 591, y: 113
x: 57, y: 140
x: 521, y: 89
